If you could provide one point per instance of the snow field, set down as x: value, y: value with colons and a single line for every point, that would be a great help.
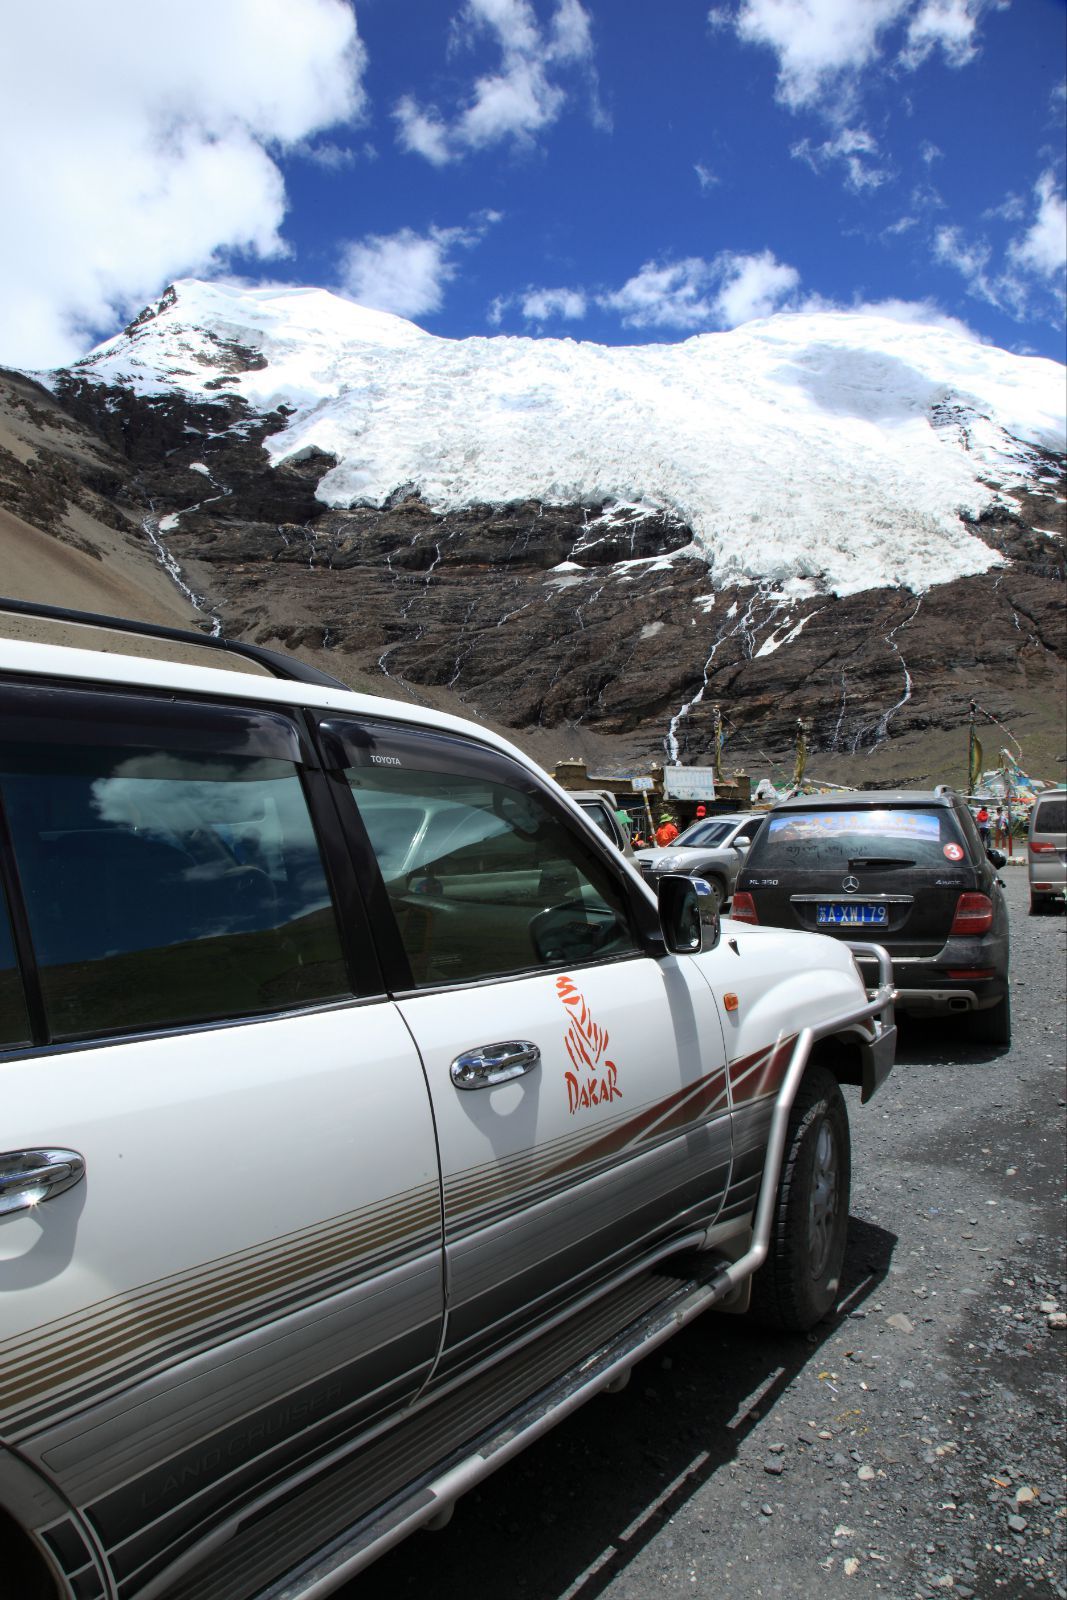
x: 836, y: 449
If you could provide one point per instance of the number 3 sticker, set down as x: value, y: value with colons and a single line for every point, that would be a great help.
x: 954, y: 852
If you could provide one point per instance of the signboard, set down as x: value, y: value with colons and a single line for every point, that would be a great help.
x: 641, y: 785
x: 689, y: 783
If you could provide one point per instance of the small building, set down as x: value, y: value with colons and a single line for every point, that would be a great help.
x: 634, y: 790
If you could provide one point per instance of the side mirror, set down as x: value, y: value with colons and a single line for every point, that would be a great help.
x: 688, y: 914
x: 998, y: 858
x: 741, y: 844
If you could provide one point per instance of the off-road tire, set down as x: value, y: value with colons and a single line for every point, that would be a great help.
x: 799, y: 1282
x: 992, y: 1026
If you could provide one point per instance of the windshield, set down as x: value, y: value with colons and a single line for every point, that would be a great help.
x: 891, y: 836
x: 704, y: 833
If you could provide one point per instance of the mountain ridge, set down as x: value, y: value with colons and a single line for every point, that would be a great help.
x: 602, y: 624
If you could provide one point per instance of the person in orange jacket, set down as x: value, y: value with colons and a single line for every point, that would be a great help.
x: 666, y: 833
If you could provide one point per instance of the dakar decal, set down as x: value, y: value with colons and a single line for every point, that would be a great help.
x: 595, y: 1078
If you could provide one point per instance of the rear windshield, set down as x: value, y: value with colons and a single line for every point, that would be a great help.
x: 896, y: 835
x: 595, y: 811
x: 1050, y: 816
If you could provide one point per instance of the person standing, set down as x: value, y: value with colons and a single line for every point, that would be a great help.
x: 666, y: 833
x: 1001, y: 828
x: 984, y: 823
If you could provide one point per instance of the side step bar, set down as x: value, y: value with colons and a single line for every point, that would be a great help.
x: 658, y: 1306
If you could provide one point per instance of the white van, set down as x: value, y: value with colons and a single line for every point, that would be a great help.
x: 1046, y: 851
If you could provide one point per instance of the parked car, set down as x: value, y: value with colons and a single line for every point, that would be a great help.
x: 363, y: 1114
x: 600, y: 807
x: 713, y: 848
x: 1046, y: 851
x: 906, y: 868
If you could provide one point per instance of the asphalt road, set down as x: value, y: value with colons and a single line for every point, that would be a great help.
x: 912, y: 1447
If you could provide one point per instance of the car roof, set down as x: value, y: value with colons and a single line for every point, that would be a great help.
x: 725, y: 816
x: 94, y: 667
x: 867, y: 797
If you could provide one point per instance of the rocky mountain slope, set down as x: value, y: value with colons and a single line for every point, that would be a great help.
x: 842, y: 518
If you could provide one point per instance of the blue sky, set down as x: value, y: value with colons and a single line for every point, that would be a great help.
x: 609, y: 170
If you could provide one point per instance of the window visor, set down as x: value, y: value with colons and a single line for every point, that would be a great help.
x: 94, y: 717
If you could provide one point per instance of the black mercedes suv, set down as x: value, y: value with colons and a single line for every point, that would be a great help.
x: 906, y: 869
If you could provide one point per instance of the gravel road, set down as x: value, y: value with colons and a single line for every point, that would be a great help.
x: 913, y: 1446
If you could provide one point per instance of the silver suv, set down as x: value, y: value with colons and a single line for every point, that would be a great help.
x: 363, y: 1114
x: 1046, y: 851
x: 714, y: 848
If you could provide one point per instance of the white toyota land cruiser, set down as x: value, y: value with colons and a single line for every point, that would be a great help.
x: 362, y: 1115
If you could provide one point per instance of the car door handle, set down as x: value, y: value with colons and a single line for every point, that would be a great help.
x: 29, y: 1176
x: 494, y: 1063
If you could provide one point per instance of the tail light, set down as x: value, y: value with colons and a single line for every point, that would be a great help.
x: 743, y: 907
x: 1040, y: 847
x: 974, y: 914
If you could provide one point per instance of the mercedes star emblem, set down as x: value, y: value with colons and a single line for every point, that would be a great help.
x: 850, y: 883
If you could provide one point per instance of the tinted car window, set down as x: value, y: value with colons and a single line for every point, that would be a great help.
x: 704, y: 833
x: 166, y: 887
x: 14, y: 1022
x: 1050, y: 816
x: 905, y: 835
x: 485, y: 879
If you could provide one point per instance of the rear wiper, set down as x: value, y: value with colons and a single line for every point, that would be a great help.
x: 880, y: 861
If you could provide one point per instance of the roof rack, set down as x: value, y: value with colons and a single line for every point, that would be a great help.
x: 944, y: 788
x: 278, y: 665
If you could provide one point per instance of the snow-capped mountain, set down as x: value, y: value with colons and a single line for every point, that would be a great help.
x: 851, y: 518
x: 841, y: 450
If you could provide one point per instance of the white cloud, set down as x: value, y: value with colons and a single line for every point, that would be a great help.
x: 539, y: 305
x: 407, y: 272
x: 324, y: 153
x: 518, y: 100
x: 752, y: 286
x: 824, y: 46
x: 820, y: 44
x: 950, y: 24
x: 924, y: 313
x: 973, y: 260
x: 671, y: 296
x: 1030, y: 276
x: 1043, y: 248
x: 969, y: 258
x: 705, y: 177
x: 694, y: 293
x: 854, y: 148
x: 137, y: 145
x: 422, y: 132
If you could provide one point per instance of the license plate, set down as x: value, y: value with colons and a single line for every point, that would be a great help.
x: 849, y: 914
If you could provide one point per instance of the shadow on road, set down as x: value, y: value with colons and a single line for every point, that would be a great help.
x: 575, y: 1510
x: 941, y: 1041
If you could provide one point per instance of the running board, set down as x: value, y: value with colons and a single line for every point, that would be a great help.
x: 497, y: 1416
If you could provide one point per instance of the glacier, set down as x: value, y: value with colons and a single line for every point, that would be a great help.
x: 823, y: 451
